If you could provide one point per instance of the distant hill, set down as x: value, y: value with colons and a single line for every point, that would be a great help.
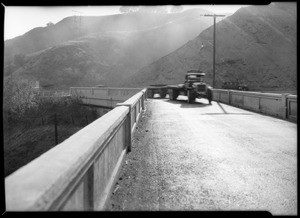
x: 257, y: 44
x: 101, y: 50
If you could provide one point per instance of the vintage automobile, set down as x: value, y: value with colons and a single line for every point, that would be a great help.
x: 193, y: 87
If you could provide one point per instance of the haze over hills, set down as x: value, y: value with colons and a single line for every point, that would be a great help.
x: 257, y: 45
x: 99, y: 50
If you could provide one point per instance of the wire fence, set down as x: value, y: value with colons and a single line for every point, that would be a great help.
x: 36, y: 132
x: 61, y: 119
x: 67, y: 112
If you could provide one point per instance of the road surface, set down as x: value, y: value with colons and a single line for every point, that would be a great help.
x: 209, y: 157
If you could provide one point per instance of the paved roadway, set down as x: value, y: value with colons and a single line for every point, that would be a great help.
x: 209, y: 157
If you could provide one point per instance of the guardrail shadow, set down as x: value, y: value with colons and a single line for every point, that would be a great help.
x: 225, y: 112
x: 197, y: 104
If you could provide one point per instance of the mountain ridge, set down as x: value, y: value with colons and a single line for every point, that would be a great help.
x: 256, y: 44
x: 114, y: 52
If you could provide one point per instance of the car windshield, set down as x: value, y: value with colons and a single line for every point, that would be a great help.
x: 195, y: 78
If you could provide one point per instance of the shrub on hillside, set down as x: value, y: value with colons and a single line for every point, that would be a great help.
x: 22, y: 104
x: 19, y: 97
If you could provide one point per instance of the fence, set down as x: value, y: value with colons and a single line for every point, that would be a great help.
x: 79, y: 173
x: 57, y: 119
x: 37, y: 131
x: 279, y: 105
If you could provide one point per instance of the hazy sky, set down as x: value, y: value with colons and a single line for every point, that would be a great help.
x: 21, y: 19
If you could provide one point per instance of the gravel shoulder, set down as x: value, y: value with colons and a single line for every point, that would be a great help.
x: 137, y: 187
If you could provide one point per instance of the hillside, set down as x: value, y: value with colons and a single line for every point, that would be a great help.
x: 105, y: 50
x: 257, y: 44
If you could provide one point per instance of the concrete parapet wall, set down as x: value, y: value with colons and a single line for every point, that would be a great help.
x: 136, y: 105
x: 280, y: 105
x: 103, y: 96
x: 292, y: 107
x: 79, y: 173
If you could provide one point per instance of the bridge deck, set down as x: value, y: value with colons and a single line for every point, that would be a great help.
x: 209, y: 157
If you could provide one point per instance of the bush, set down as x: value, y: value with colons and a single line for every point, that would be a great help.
x: 29, y: 122
x: 19, y: 60
x: 22, y: 104
x: 18, y: 98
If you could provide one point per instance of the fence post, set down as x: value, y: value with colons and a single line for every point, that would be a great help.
x: 55, y: 129
x: 72, y: 119
x: 86, y: 119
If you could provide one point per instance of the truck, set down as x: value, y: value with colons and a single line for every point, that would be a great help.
x: 193, y: 87
x: 160, y: 89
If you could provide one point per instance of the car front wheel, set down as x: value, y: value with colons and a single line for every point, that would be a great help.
x: 190, y: 97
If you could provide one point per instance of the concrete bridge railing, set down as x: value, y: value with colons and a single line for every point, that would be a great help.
x: 53, y: 93
x: 280, y: 105
x: 103, y: 96
x: 79, y: 173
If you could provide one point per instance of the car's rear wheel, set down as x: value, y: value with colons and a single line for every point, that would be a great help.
x: 173, y: 94
x: 209, y: 96
x: 163, y: 93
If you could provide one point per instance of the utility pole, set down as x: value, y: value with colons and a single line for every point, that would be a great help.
x: 77, y: 21
x: 214, y: 51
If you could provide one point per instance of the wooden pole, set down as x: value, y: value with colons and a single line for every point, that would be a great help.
x: 214, y: 49
x: 214, y: 55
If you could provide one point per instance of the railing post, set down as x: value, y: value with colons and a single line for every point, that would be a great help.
x: 145, y: 94
x: 284, y: 105
x: 143, y: 99
x: 128, y: 134
x: 89, y: 190
x: 243, y: 101
x: 229, y: 97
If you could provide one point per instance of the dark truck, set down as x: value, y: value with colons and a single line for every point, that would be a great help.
x: 193, y: 87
